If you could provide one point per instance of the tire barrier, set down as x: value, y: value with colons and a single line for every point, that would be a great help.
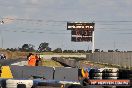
x: 110, y: 73
x: 104, y: 73
x: 12, y: 83
x: 64, y: 74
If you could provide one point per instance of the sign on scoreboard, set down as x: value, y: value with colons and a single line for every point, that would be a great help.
x: 80, y: 25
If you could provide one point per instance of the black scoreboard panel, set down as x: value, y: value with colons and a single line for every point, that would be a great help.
x: 81, y: 35
x: 81, y: 39
x: 81, y: 31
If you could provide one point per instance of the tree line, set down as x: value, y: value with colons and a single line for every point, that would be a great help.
x: 44, y: 47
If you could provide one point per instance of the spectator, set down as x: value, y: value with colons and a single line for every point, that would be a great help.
x: 32, y: 60
x: 2, y: 56
x: 37, y: 59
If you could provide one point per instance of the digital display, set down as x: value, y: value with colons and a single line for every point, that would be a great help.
x: 77, y: 25
x: 81, y: 31
x: 81, y: 39
x: 81, y: 35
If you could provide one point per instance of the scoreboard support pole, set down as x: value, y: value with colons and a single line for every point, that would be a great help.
x: 93, y: 46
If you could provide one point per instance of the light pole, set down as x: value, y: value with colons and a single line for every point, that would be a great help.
x: 1, y: 22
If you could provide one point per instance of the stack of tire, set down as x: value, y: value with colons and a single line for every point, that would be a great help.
x: 104, y: 73
x: 110, y: 73
x: 12, y: 83
x: 125, y: 74
x: 95, y: 74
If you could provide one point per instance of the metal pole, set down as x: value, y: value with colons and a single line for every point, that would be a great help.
x: 114, y: 45
x: 93, y: 42
x: 1, y: 22
x: 1, y: 39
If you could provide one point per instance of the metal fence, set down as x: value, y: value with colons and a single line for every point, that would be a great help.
x: 115, y: 58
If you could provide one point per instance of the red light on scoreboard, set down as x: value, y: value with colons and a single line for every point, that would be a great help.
x: 81, y: 35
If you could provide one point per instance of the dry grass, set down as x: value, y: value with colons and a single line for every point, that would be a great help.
x: 18, y: 54
x: 50, y: 63
x: 15, y: 54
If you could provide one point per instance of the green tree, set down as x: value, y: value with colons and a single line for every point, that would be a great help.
x: 44, y: 47
x: 58, y: 50
x: 28, y: 47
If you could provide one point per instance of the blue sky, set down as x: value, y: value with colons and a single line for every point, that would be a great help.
x: 113, y: 22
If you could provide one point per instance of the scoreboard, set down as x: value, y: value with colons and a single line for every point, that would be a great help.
x: 81, y: 32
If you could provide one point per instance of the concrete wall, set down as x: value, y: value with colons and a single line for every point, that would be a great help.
x: 117, y: 58
x: 66, y: 74
x: 28, y: 71
x: 58, y: 73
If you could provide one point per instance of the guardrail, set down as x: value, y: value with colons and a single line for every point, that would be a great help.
x: 67, y: 61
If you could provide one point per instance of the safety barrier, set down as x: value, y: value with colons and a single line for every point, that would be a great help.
x: 50, y: 73
x: 66, y: 61
x: 66, y: 74
x: 29, y: 71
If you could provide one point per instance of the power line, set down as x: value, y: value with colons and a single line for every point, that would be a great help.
x: 38, y: 32
x: 65, y: 21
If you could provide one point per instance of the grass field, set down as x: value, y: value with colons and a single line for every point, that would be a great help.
x: 50, y: 63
